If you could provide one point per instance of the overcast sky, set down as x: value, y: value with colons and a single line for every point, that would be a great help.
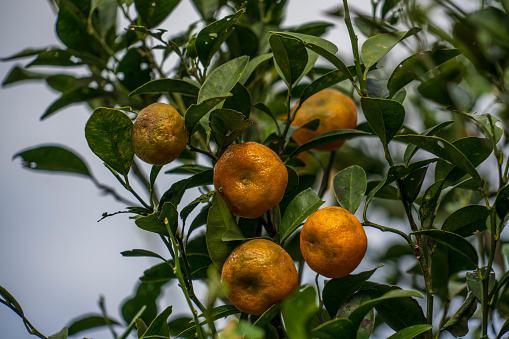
x: 55, y: 258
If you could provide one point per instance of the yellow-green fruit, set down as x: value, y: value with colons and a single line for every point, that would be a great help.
x: 159, y: 134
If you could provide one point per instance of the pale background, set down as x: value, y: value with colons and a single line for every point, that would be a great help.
x: 55, y: 258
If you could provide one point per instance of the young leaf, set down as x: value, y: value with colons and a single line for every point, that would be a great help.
x: 337, y: 291
x: 467, y: 220
x: 385, y: 117
x: 335, y: 328
x: 297, y: 310
x: 302, y: 206
x: 222, y: 79
x: 53, y: 158
x: 227, y: 125
x: 443, y: 149
x: 349, y: 187
x: 152, y: 13
x: 290, y: 56
x: 89, y: 321
x: 454, y: 241
x: 411, y: 331
x: 167, y: 86
x: 375, y: 47
x: 108, y: 133
x: 417, y: 65
x: 219, y: 221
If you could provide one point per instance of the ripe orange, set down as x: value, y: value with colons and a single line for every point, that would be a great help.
x: 333, y: 242
x: 159, y: 134
x: 251, y: 178
x: 335, y: 111
x: 258, y: 274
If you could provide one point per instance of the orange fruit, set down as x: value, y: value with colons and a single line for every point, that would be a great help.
x: 251, y: 178
x: 333, y: 242
x: 159, y: 134
x: 258, y: 274
x: 335, y: 111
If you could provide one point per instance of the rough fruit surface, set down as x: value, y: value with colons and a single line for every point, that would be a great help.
x: 251, y: 179
x: 258, y: 274
x: 333, y: 242
x: 335, y: 111
x: 159, y: 134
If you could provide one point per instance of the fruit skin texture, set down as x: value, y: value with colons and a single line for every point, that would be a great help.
x: 159, y: 134
x: 335, y: 111
x: 258, y: 274
x: 252, y: 179
x: 333, y: 242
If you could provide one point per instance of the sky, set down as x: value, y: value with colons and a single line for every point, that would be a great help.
x: 55, y: 258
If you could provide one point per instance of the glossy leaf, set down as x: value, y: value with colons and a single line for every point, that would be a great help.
x: 167, y: 86
x: 196, y: 112
x: 417, y: 65
x: 443, y: 149
x: 326, y: 138
x: 252, y: 65
x: 152, y: 13
x: 458, y: 324
x: 411, y: 331
x: 72, y: 24
x: 311, y: 39
x: 337, y: 291
x: 89, y: 321
x: 108, y: 133
x: 76, y: 95
x: 349, y: 187
x: 297, y: 310
x: 502, y: 202
x: 454, y: 241
x: 53, y: 158
x: 467, y: 220
x: 210, y: 38
x: 335, y: 328
x: 227, y: 125
x: 222, y: 79
x: 375, y: 47
x: 332, y: 58
x: 385, y: 117
x: 301, y: 207
x: 290, y: 56
x: 240, y: 100
x: 219, y: 221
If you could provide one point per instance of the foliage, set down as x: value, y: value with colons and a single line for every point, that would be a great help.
x: 428, y: 152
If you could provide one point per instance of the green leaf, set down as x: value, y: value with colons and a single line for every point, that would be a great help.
x: 10, y: 301
x: 385, y: 117
x: 157, y: 324
x: 337, y: 291
x: 366, y: 327
x: 222, y: 79
x: 375, y: 47
x: 302, y: 206
x: 167, y: 86
x: 411, y: 149
x: 329, y: 137
x: 108, y: 133
x: 152, y: 13
x: 358, y: 314
x: 332, y: 58
x: 502, y: 202
x: 411, y: 331
x: 219, y: 221
x: 176, y: 191
x: 252, y: 64
x: 454, y: 241
x: 141, y: 253
x: 89, y: 321
x: 240, y: 100
x: 443, y: 149
x: 290, y: 57
x: 488, y: 124
x: 417, y: 65
x: 227, y: 125
x: 413, y: 183
x: 349, y: 187
x: 20, y: 74
x: 210, y: 38
x: 216, y: 313
x: 335, y: 328
x: 204, y: 198
x: 155, y: 222
x: 312, y: 39
x: 53, y: 158
x: 268, y: 315
x: 467, y: 220
x: 196, y: 112
x: 503, y: 330
x: 73, y: 96
x: 293, y: 181
x: 430, y: 200
x: 297, y: 310
x: 60, y: 335
x: 163, y: 272
x: 458, y: 324
x: 29, y: 52
x: 475, y: 284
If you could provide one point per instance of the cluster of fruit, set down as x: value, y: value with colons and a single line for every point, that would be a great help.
x: 252, y: 179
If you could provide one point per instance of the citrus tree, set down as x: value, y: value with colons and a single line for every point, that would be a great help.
x: 267, y: 121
